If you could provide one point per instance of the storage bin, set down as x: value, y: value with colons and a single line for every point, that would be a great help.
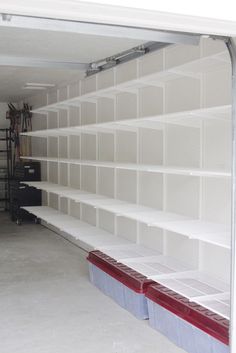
x: 124, y: 285
x: 189, y: 325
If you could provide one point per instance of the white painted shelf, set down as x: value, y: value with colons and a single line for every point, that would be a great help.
x: 192, y: 69
x: 213, y: 233
x: 136, y: 167
x: 218, y: 303
x: 86, y: 236
x: 155, y: 265
x: 192, y: 118
x: 132, y: 251
x: 163, y: 269
x: 200, y: 288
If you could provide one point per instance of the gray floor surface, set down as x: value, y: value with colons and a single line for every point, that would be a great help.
x: 47, y: 304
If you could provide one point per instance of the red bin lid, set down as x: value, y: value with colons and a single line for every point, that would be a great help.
x: 132, y: 279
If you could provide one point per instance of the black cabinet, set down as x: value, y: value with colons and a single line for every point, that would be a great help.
x: 24, y: 195
x: 27, y: 171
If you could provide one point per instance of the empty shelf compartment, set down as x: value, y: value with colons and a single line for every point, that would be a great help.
x: 122, y: 252
x: 218, y: 303
x: 155, y: 265
x: 192, y: 284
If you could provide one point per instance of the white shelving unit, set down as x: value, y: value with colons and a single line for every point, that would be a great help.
x: 136, y: 167
x: 194, y: 285
x: 193, y: 69
x: 191, y: 118
x: 213, y: 233
x: 136, y: 162
x: 83, y: 234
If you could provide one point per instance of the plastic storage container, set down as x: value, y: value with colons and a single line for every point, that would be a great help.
x: 126, y: 286
x: 187, y: 324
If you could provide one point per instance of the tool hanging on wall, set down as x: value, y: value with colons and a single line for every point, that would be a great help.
x: 26, y: 118
x: 20, y: 121
x: 25, y: 145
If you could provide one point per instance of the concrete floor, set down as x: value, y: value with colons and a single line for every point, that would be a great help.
x: 47, y: 304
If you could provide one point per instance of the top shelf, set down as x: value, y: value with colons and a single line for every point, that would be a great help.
x: 193, y: 69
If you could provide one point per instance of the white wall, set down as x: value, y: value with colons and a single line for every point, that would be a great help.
x: 185, y: 16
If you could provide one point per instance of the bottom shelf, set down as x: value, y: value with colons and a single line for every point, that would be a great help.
x: 155, y: 265
x: 128, y: 252
x: 219, y: 303
x: 194, y: 285
x: 86, y: 236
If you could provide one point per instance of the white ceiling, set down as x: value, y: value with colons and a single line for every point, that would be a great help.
x: 204, y: 16
x: 202, y: 8
x: 50, y: 45
x: 12, y: 79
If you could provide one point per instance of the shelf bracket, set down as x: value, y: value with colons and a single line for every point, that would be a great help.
x: 231, y: 45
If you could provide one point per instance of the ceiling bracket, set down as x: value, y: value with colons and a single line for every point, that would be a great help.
x: 123, y: 57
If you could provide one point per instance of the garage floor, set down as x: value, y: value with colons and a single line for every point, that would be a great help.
x: 48, y: 305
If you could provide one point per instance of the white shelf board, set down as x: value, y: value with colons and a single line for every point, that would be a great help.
x: 155, y: 265
x: 213, y: 233
x: 209, y: 292
x: 200, y: 288
x: 206, y: 64
x: 60, y: 190
x: 88, y: 237
x: 200, y: 172
x: 192, y: 284
x: 190, y: 118
x: 41, y: 159
x: 122, y: 252
x: 192, y: 69
x: 218, y: 303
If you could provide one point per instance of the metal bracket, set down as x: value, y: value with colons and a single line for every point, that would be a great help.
x: 123, y: 57
x: 155, y: 39
x: 222, y: 38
